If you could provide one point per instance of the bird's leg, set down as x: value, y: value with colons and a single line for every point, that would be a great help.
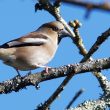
x: 29, y: 72
x: 46, y: 67
x: 17, y: 72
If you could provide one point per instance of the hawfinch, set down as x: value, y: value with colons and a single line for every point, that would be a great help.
x: 35, y: 49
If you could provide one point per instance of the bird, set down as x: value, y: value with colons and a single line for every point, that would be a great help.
x: 35, y: 49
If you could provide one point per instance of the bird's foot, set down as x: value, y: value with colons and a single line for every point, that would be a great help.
x: 29, y: 72
x: 18, y: 73
x: 47, y: 69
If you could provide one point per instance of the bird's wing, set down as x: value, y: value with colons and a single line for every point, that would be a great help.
x: 31, y: 39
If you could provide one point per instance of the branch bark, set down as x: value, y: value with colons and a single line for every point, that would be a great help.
x: 58, y: 17
x: 17, y: 83
x: 89, y: 5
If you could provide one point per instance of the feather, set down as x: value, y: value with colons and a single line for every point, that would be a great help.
x: 26, y: 41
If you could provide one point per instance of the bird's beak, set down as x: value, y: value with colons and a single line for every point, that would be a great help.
x: 65, y: 33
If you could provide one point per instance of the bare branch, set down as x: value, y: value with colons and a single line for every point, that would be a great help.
x: 103, y: 102
x: 74, y: 98
x: 78, y: 40
x: 57, y: 3
x: 73, y: 70
x: 91, y: 105
x: 52, y: 9
x: 96, y: 45
x: 17, y: 83
x: 89, y: 5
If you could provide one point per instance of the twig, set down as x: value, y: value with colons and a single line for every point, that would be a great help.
x: 57, y: 3
x: 74, y: 98
x: 89, y: 5
x: 99, y: 104
x: 96, y: 45
x: 79, y: 43
x: 18, y: 83
x: 78, y: 40
x: 71, y: 74
x: 55, y: 11
x: 102, y: 103
x: 104, y: 83
x: 63, y: 84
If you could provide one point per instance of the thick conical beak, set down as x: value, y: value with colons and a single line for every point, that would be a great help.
x: 65, y: 33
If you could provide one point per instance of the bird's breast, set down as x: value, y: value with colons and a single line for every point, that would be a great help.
x: 31, y: 57
x: 41, y: 55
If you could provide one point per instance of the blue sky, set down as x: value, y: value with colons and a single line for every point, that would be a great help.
x: 17, y: 17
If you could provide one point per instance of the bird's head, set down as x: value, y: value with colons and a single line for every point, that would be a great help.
x: 55, y: 28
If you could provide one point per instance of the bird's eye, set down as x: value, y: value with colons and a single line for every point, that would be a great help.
x: 55, y: 28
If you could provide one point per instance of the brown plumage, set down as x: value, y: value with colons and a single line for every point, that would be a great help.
x: 35, y: 49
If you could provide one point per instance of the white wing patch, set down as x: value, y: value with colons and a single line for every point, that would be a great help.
x: 27, y: 41
x: 12, y: 43
x: 35, y: 40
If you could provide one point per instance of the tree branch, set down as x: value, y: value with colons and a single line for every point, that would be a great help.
x: 88, y: 5
x: 74, y: 98
x: 17, y: 83
x: 96, y: 45
x: 103, y: 102
x: 53, y: 10
x: 70, y: 75
x: 75, y: 69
